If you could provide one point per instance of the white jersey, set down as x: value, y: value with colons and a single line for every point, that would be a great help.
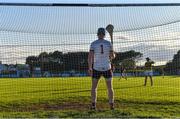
x: 101, y: 49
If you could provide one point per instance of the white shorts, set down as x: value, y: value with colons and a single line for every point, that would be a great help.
x: 148, y: 73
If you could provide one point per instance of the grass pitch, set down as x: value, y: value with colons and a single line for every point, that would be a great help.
x: 70, y: 97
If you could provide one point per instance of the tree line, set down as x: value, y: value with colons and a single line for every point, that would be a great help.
x: 173, y: 66
x: 56, y: 61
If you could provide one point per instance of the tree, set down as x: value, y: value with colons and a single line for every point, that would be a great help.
x: 173, y: 66
x: 127, y: 59
x: 54, y: 62
x: 128, y: 64
x: 32, y: 61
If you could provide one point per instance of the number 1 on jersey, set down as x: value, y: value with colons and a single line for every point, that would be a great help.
x: 102, y: 49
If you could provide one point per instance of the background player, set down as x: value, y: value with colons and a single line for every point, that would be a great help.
x: 123, y: 73
x: 148, y: 71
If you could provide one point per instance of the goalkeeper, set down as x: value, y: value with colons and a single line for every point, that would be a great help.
x: 101, y: 52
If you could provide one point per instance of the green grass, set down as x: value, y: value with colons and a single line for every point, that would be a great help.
x: 70, y: 97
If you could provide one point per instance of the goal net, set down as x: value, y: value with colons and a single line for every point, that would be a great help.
x: 43, y: 40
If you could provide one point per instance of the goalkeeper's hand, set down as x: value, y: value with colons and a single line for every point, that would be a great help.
x: 90, y: 71
x: 112, y: 55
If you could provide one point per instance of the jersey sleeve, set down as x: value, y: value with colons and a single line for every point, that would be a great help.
x: 92, y: 47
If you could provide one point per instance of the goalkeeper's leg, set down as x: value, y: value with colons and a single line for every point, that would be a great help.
x: 110, y: 93
x: 94, y: 93
x: 108, y: 75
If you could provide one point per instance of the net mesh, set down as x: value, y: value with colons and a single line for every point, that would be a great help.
x: 45, y: 42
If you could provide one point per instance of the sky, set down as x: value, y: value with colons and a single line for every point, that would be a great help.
x: 23, y: 35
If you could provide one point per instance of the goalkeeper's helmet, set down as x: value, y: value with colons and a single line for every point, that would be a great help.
x: 101, y: 31
x: 148, y: 59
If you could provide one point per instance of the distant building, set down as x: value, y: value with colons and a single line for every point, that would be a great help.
x: 23, y: 70
x: 2, y: 67
x: 8, y: 71
x: 14, y: 71
x: 12, y: 67
x: 36, y: 72
x: 178, y: 72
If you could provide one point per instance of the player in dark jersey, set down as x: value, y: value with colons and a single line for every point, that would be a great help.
x: 123, y: 73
